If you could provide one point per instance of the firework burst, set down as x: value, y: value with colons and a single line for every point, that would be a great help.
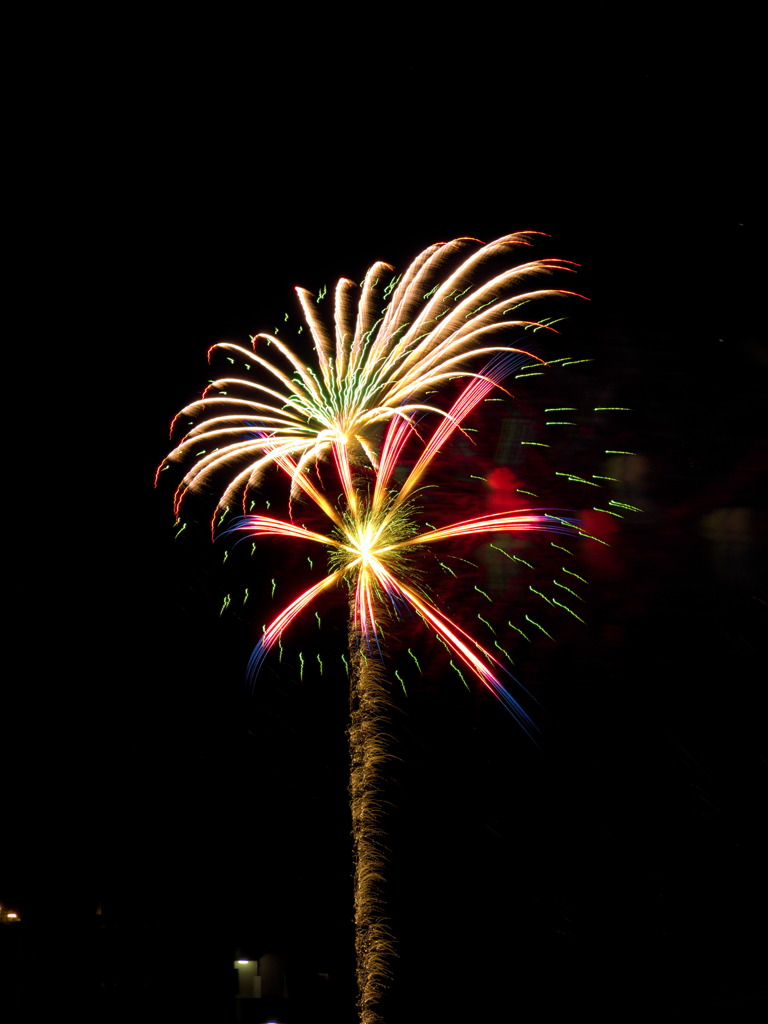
x: 366, y: 401
x: 374, y: 538
x: 389, y: 344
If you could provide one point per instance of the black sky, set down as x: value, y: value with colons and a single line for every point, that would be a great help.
x: 184, y: 179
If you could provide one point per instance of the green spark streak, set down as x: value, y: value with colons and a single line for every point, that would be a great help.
x: 505, y: 653
x: 274, y: 584
x: 536, y: 444
x: 561, y: 548
x: 620, y: 504
x: 317, y: 616
x: 589, y: 536
x: 245, y: 595
x: 561, y: 605
x: 322, y: 293
x: 418, y: 666
x: 517, y: 305
x: 563, y: 408
x: 301, y: 666
x: 183, y: 528
x: 519, y: 376
x: 559, y: 423
x: 225, y: 604
x: 430, y: 293
x: 465, y: 560
x: 280, y: 648
x: 226, y: 556
x: 311, y: 566
x: 346, y: 665
x: 612, y: 408
x: 473, y: 476
x: 538, y: 593
x: 484, y: 595
x: 518, y: 630
x: 488, y: 303
x: 610, y: 451
x: 533, y: 622
x: 448, y: 568
x: 512, y: 558
x: 608, y: 512
x: 613, y: 479
x: 253, y: 548
x: 458, y: 670
x: 230, y: 360
x: 577, y: 479
x: 558, y: 519
x: 575, y: 574
x: 400, y: 680
x: 575, y: 362
x: 563, y: 587
x: 487, y: 623
x: 531, y: 493
x: 320, y: 663
x: 391, y: 286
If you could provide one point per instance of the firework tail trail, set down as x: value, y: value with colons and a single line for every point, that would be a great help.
x: 374, y: 371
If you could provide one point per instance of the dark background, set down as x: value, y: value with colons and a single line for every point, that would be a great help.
x: 175, y: 181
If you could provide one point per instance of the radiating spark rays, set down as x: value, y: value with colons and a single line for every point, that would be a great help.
x: 367, y: 398
x: 372, y: 365
x: 459, y: 642
x: 509, y: 522
x: 263, y: 526
x: 275, y: 629
x: 371, y: 542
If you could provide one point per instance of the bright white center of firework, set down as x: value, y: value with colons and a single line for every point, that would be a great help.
x: 333, y: 435
x: 365, y: 543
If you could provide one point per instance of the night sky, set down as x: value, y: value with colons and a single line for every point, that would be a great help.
x: 186, y: 177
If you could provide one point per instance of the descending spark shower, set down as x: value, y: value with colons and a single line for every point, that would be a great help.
x: 371, y: 404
